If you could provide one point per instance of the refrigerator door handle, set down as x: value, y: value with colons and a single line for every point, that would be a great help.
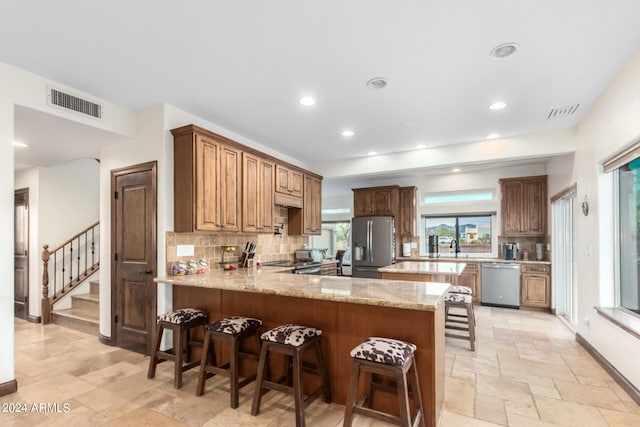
x: 370, y: 237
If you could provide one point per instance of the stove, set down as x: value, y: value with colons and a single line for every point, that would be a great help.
x: 300, y: 267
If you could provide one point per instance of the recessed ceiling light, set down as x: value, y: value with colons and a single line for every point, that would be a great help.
x: 377, y: 83
x: 493, y: 136
x: 420, y: 146
x: 455, y: 170
x: 372, y: 153
x: 498, y: 105
x: 503, y: 50
x: 307, y: 101
x: 347, y: 132
x: 19, y: 144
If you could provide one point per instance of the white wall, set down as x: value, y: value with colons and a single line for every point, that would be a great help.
x: 611, y: 124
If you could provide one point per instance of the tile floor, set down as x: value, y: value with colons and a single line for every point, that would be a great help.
x: 527, y: 371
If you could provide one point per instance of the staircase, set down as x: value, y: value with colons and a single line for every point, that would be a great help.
x: 84, y: 314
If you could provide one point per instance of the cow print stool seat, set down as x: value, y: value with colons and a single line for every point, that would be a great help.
x: 464, y: 322
x: 459, y: 289
x: 391, y: 359
x: 231, y: 332
x: 181, y: 322
x: 292, y: 341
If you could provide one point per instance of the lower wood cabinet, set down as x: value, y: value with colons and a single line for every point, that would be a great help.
x: 471, y: 277
x: 329, y: 269
x: 535, y: 285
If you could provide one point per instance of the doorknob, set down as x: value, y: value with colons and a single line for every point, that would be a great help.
x: 148, y: 272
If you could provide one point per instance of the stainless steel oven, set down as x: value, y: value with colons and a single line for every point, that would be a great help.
x: 313, y: 268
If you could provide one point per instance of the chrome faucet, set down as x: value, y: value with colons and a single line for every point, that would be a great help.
x: 457, y: 246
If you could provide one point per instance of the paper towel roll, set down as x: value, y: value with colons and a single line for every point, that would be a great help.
x: 406, y: 249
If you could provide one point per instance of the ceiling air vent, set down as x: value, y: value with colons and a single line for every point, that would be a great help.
x: 71, y: 102
x: 560, y: 112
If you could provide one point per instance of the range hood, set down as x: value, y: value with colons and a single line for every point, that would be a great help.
x: 287, y: 201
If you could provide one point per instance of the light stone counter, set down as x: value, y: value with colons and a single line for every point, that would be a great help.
x: 422, y: 267
x: 383, y: 293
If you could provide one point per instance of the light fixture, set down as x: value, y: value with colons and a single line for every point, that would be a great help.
x: 493, y: 136
x: 498, y: 105
x: 19, y: 144
x: 307, y: 101
x: 503, y: 50
x: 348, y: 132
x: 420, y: 146
x: 372, y: 153
x: 377, y: 83
x: 455, y: 170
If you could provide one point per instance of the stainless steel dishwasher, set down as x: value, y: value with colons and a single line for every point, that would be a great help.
x: 500, y: 284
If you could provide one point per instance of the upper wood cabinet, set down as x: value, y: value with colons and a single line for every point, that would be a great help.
x: 381, y: 201
x: 221, y: 185
x: 524, y: 206
x: 257, y: 194
x: 308, y: 220
x: 288, y: 181
x: 407, y: 220
x: 206, y: 184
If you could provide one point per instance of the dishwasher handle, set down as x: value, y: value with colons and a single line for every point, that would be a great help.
x: 501, y: 265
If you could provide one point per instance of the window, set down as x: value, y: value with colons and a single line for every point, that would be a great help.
x: 473, y: 233
x: 335, y: 236
x: 628, y: 227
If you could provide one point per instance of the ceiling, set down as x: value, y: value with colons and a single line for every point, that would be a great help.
x: 245, y: 65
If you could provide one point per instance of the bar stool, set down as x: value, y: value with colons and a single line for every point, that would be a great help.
x: 231, y: 332
x: 388, y: 358
x: 181, y: 322
x: 292, y: 341
x: 454, y: 321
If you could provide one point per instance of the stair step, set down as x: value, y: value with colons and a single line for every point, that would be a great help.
x: 79, y: 320
x: 86, y: 302
x: 94, y: 287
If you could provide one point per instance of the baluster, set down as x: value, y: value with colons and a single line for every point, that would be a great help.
x: 63, y: 270
x: 70, y: 262
x: 93, y: 246
x: 55, y: 272
x: 46, y: 302
x: 78, y: 264
x: 86, y: 260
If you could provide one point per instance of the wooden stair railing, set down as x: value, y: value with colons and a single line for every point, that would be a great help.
x: 84, y: 262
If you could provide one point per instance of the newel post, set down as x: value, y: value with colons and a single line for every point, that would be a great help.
x: 46, y: 301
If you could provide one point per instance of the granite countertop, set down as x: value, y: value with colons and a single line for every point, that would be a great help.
x: 469, y: 259
x: 425, y: 267
x: 426, y: 296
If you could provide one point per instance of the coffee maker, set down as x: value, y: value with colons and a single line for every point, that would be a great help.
x: 510, y: 251
x: 434, y: 249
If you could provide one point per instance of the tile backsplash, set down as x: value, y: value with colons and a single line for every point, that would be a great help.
x: 269, y: 247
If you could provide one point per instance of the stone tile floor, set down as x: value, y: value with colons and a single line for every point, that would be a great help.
x: 527, y: 371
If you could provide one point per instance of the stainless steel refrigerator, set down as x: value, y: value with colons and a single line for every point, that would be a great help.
x: 372, y: 245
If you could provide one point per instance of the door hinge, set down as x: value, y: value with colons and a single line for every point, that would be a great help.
x: 115, y: 256
x: 115, y: 195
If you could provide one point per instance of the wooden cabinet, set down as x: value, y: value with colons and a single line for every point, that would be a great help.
x: 535, y: 285
x: 524, y: 206
x: 257, y: 194
x: 381, y: 201
x: 329, y: 269
x: 206, y: 184
x: 308, y: 220
x: 407, y: 220
x: 289, y: 181
x: 471, y: 277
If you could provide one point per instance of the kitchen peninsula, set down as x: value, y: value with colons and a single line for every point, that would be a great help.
x: 348, y: 310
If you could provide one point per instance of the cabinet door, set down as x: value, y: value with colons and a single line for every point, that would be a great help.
x: 362, y: 203
x: 535, y: 290
x: 230, y: 180
x: 295, y: 183
x: 282, y: 179
x: 207, y: 176
x: 312, y: 206
x: 407, y: 211
x: 289, y: 181
x: 511, y: 207
x: 251, y: 175
x: 470, y: 277
x: 265, y: 215
x: 384, y: 202
x: 534, y: 206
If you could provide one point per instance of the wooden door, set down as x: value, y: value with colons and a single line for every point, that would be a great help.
x: 511, y: 207
x: 362, y: 203
x: 21, y: 254
x: 295, y: 183
x: 407, y: 211
x: 230, y: 183
x: 534, y: 206
x: 384, y: 202
x: 134, y: 257
x: 536, y: 291
x: 207, y: 184
x: 250, y: 193
x: 312, y: 207
x: 265, y: 192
